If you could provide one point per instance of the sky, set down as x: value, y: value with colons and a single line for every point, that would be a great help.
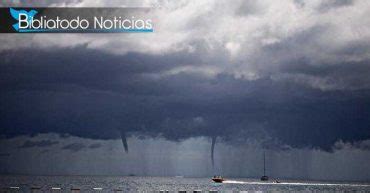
x: 287, y: 77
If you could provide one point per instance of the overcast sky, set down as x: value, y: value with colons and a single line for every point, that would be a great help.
x: 286, y: 76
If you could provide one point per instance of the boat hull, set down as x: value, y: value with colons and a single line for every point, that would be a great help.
x: 218, y: 180
x: 264, y: 178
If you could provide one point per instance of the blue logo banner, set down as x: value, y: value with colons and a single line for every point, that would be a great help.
x: 76, y: 20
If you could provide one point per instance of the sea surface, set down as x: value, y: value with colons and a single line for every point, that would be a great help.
x: 163, y: 184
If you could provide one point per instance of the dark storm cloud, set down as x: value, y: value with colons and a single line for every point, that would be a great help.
x: 361, y: 145
x: 5, y: 154
x: 42, y: 143
x: 292, y: 73
x: 74, y: 147
x: 95, y: 95
x: 95, y: 145
x: 90, y: 69
x: 290, y: 76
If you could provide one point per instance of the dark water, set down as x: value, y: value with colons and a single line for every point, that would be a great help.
x: 156, y: 184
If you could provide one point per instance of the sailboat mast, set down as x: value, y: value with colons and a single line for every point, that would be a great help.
x: 264, y: 163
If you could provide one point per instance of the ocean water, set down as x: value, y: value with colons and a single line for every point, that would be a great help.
x: 107, y: 184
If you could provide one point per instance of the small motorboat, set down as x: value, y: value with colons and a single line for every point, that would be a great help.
x: 218, y: 179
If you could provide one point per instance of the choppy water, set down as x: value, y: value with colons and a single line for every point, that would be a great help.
x: 156, y: 184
